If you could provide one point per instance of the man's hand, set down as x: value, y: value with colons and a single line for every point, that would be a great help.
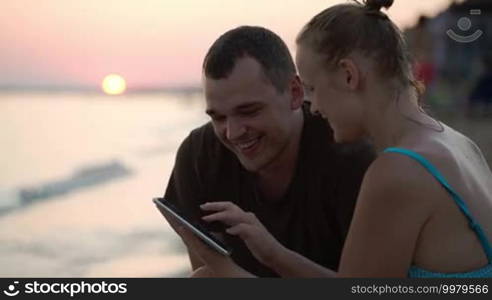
x: 215, y: 264
x: 247, y: 226
x: 196, y: 263
x: 212, y: 263
x: 203, y: 272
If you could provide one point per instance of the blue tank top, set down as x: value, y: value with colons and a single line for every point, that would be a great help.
x: 419, y: 272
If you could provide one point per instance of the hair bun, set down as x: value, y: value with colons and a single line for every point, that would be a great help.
x: 378, y: 4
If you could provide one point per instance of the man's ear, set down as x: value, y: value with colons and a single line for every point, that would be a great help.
x: 351, y: 74
x: 297, y: 93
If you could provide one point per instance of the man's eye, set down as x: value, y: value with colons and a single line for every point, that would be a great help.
x: 249, y: 112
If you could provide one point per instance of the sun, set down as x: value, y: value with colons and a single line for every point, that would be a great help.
x: 113, y: 84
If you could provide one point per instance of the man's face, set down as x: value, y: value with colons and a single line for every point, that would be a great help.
x: 250, y: 117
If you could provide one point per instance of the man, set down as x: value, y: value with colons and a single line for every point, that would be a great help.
x: 264, y: 152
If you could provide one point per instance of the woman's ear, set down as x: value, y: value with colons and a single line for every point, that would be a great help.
x: 297, y: 93
x: 351, y: 74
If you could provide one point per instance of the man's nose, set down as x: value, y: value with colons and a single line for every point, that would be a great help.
x: 234, y: 129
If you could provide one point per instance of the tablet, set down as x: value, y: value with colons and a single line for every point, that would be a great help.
x: 196, y: 228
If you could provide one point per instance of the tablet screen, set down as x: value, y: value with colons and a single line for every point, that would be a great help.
x: 194, y: 226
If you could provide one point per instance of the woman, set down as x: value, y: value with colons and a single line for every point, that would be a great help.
x: 425, y: 205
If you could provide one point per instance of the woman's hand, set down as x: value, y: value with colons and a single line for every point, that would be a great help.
x: 245, y: 225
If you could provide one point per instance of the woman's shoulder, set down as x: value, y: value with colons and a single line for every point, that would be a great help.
x: 390, y: 174
x: 402, y: 177
x: 396, y: 193
x: 417, y: 164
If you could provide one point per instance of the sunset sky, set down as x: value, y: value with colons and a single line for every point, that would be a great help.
x: 151, y: 43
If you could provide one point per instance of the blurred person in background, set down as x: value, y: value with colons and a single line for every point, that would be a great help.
x: 420, y: 43
x: 480, y: 100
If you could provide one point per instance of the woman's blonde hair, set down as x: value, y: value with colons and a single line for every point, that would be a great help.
x: 361, y: 26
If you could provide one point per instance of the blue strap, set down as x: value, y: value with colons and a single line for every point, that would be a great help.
x: 456, y: 197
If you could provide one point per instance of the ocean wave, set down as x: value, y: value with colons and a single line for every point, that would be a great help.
x: 82, y: 178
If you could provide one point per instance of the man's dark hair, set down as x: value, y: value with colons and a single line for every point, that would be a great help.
x: 259, y: 43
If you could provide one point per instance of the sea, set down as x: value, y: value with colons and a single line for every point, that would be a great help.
x: 78, y: 172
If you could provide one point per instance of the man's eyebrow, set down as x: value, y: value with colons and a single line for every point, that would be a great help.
x: 243, y: 106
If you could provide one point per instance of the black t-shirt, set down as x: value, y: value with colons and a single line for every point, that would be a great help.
x: 311, y: 219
